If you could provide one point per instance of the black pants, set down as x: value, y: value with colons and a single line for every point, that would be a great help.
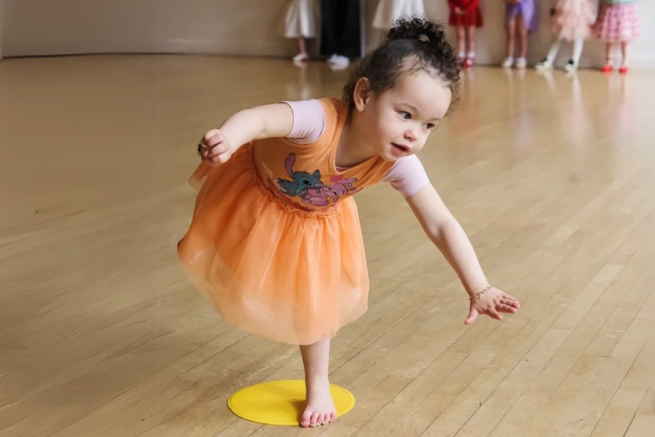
x: 341, y: 32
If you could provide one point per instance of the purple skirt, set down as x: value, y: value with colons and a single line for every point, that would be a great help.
x: 528, y: 11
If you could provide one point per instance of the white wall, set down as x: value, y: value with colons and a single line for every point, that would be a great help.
x: 247, y: 27
x: 1, y: 21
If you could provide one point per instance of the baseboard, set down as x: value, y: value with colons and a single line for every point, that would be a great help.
x: 274, y: 48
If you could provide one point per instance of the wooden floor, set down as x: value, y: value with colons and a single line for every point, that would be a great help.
x: 101, y: 334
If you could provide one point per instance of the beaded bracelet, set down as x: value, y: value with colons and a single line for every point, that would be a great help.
x: 476, y: 296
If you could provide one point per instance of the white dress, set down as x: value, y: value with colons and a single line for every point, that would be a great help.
x: 299, y: 19
x: 389, y: 11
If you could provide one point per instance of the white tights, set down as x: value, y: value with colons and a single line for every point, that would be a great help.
x: 578, y: 45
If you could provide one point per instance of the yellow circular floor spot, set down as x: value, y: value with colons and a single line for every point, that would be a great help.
x: 281, y: 402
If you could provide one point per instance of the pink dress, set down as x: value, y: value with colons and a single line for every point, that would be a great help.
x: 618, y: 21
x: 574, y: 19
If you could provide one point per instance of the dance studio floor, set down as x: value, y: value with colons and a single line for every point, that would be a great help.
x: 101, y: 334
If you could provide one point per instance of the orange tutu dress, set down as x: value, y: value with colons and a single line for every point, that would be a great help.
x: 275, y: 241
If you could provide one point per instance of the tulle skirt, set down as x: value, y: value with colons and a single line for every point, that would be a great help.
x: 575, y: 20
x: 268, y: 267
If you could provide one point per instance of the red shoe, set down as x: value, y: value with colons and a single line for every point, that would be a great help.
x: 608, y: 67
x: 623, y: 69
x: 468, y: 62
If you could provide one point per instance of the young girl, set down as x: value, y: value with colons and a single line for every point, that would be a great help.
x: 521, y: 16
x: 388, y: 11
x: 572, y: 20
x: 465, y: 16
x: 617, y: 23
x: 299, y: 23
x: 275, y: 241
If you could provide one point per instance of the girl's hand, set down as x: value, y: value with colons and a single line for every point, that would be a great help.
x: 215, y: 148
x: 492, y: 302
x: 458, y: 11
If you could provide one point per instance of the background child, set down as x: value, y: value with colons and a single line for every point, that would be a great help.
x: 275, y: 240
x: 299, y: 22
x: 617, y: 24
x: 465, y: 16
x: 572, y: 20
x: 520, y: 18
x: 341, y: 32
x: 388, y: 11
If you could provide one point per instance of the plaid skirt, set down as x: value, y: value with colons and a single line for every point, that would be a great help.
x: 617, y: 23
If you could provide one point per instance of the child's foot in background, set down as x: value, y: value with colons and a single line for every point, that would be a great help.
x: 461, y: 57
x: 508, y: 62
x: 521, y: 63
x: 570, y: 66
x: 608, y: 67
x: 300, y: 57
x: 543, y: 65
x: 469, y: 60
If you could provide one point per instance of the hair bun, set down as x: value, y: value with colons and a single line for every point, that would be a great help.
x: 416, y: 29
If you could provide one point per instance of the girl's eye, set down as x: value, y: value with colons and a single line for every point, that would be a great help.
x: 430, y: 126
x: 405, y: 115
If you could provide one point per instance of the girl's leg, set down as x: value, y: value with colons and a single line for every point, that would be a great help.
x: 523, y: 42
x: 511, y: 35
x: 547, y: 62
x: 461, y: 43
x: 302, y: 48
x: 470, y: 39
x: 320, y: 408
x: 302, y: 55
x: 509, y: 47
x: 609, y: 62
x: 578, y: 46
x: 624, y: 52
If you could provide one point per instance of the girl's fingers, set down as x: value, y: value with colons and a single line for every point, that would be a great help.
x: 510, y: 302
x: 506, y: 309
x: 218, y: 149
x: 494, y: 314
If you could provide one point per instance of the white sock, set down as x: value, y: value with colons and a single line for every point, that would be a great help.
x: 471, y: 55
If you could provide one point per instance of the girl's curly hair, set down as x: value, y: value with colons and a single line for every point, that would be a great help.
x: 412, y: 45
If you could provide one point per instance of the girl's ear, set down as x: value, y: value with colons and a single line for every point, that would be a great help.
x: 362, y: 93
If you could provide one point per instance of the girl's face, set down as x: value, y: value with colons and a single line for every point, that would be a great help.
x: 397, y: 122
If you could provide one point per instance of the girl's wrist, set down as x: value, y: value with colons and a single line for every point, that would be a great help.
x: 477, y: 288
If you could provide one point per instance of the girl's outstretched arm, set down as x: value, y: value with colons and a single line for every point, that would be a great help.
x: 268, y: 121
x: 449, y: 237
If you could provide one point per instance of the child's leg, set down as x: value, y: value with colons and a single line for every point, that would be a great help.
x: 578, y: 46
x: 470, y: 39
x: 608, y: 53
x: 320, y: 408
x: 609, y: 62
x: 511, y: 35
x: 461, y: 42
x: 302, y: 55
x: 554, y: 50
x: 302, y: 49
x: 624, y: 53
x: 523, y: 41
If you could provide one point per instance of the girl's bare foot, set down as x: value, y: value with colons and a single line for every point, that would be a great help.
x: 320, y: 408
